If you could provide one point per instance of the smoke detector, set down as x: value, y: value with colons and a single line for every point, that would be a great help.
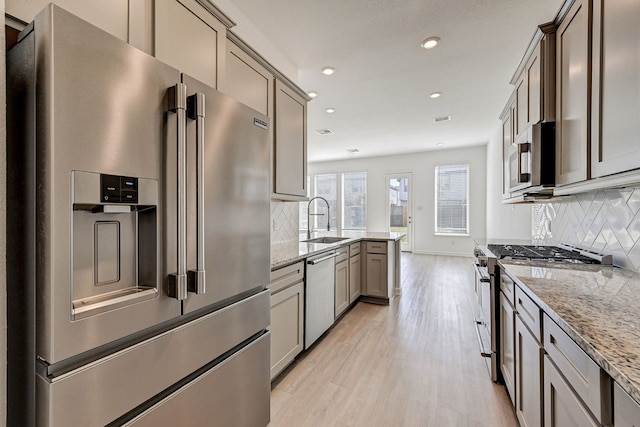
x: 441, y: 119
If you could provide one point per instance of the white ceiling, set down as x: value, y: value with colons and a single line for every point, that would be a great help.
x: 383, y: 79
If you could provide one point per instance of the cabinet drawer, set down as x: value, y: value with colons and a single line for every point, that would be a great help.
x: 342, y: 254
x: 581, y: 372
x: 529, y: 312
x: 286, y: 276
x: 376, y: 247
x: 354, y: 249
x: 627, y: 411
x: 507, y: 287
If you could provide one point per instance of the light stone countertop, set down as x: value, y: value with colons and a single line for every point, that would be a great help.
x: 286, y: 253
x: 597, y: 306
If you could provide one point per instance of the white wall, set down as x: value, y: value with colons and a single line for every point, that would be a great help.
x: 421, y: 165
x: 503, y: 221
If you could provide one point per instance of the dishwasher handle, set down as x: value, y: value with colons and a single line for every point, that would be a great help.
x: 319, y: 260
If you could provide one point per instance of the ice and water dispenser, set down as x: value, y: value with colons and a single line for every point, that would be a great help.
x: 115, y: 242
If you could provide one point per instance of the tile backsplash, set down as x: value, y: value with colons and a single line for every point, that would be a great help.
x: 284, y: 221
x: 606, y: 221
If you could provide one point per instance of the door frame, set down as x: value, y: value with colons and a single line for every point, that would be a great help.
x: 404, y: 247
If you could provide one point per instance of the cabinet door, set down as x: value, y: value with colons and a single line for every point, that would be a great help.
x: 573, y: 92
x: 248, y: 81
x: 354, y: 277
x: 376, y: 275
x: 287, y: 320
x: 342, y: 287
x: 191, y: 40
x: 522, y: 102
x: 626, y: 409
x: 507, y: 345
x: 528, y: 378
x: 616, y: 87
x: 290, y: 142
x: 534, y: 94
x: 562, y: 408
x: 507, y: 140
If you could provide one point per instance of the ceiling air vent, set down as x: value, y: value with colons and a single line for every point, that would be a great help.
x: 441, y: 119
x: 324, y: 131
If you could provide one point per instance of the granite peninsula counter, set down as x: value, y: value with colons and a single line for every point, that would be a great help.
x: 597, y: 306
x: 286, y: 253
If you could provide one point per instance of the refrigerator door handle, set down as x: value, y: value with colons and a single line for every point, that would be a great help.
x: 177, y: 286
x: 196, y: 111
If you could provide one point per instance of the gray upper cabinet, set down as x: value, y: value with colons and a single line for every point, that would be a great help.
x: 508, y: 137
x: 290, y: 143
x: 248, y: 81
x: 190, y: 39
x: 615, y: 126
x: 572, y: 96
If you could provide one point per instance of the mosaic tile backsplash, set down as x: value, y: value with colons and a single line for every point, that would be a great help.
x: 284, y: 215
x: 606, y: 221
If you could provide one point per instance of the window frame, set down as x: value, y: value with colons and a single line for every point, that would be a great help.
x: 436, y: 193
x: 339, y: 208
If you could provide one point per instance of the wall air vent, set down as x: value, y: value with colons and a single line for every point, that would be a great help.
x: 324, y: 131
x: 441, y: 119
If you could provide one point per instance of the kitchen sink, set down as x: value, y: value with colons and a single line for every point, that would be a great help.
x: 326, y: 239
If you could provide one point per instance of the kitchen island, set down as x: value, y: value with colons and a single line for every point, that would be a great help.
x: 597, y: 306
x: 313, y: 284
x: 286, y: 253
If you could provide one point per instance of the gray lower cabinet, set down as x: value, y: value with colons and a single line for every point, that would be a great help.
x: 287, y: 316
x: 379, y: 270
x: 528, y: 360
x: 507, y: 345
x: 562, y: 408
x: 355, y: 274
x: 341, y: 281
x: 528, y: 377
x: 626, y: 410
x: 588, y: 383
x: 376, y: 283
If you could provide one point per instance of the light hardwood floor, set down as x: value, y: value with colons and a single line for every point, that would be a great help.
x: 413, y: 363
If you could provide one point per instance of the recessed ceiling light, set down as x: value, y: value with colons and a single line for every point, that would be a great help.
x: 312, y: 94
x: 330, y: 110
x: 430, y: 43
x: 439, y: 144
x: 327, y: 71
x: 434, y: 95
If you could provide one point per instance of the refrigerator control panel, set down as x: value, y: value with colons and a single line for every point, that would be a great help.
x: 118, y: 189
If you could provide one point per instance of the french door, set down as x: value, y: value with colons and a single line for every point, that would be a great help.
x: 399, y: 208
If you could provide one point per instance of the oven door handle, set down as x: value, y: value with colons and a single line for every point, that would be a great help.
x: 483, y: 273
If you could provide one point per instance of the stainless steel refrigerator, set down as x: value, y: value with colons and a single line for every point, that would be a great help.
x: 138, y: 242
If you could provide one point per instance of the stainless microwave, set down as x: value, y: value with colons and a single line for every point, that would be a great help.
x: 532, y: 158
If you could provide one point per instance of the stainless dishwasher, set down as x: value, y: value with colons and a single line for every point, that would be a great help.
x: 319, y: 296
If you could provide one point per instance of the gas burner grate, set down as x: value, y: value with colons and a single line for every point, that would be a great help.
x: 540, y: 253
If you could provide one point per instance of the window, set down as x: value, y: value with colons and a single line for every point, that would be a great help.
x: 347, y: 201
x: 354, y: 201
x: 325, y: 186
x: 452, y: 194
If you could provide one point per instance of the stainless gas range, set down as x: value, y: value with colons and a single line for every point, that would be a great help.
x: 487, y: 286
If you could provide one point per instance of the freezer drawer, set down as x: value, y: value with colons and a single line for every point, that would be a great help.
x: 241, y: 401
x: 102, y: 391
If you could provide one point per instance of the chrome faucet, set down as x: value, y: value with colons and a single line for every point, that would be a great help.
x: 309, y: 228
